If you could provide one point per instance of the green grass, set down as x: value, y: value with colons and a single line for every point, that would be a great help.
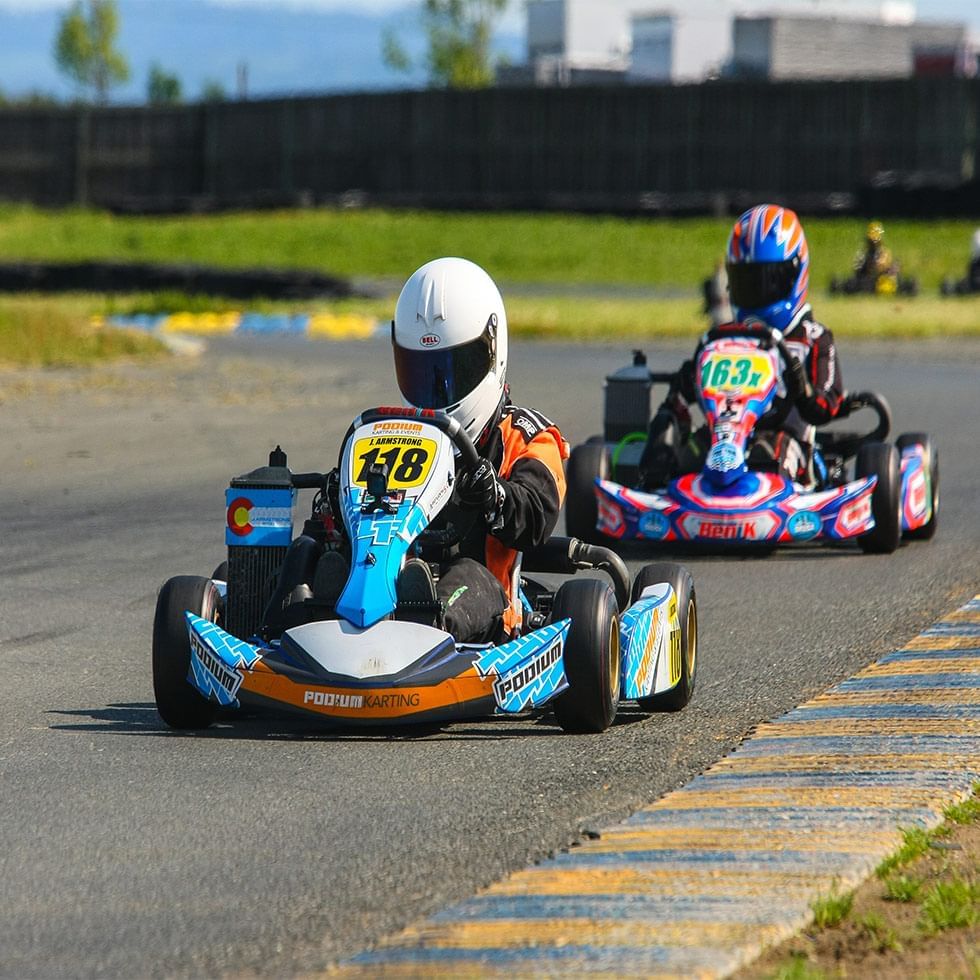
x: 966, y: 812
x: 953, y: 904
x: 902, y: 888
x: 42, y: 333
x: 525, y: 247
x: 54, y: 329
x: 830, y: 910
x: 861, y: 317
x: 798, y: 969
x: 547, y: 249
x: 915, y: 843
x: 882, y: 936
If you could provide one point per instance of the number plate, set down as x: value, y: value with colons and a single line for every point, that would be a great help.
x: 748, y: 374
x: 409, y: 460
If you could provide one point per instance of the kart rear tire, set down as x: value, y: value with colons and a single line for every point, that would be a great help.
x: 682, y: 582
x: 591, y: 656
x: 882, y: 460
x: 586, y: 463
x: 178, y: 703
x: 928, y: 530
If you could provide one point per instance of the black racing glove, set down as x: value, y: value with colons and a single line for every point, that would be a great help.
x: 481, y: 490
x: 797, y: 382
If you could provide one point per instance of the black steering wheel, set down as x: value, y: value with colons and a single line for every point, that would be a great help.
x: 768, y: 338
x: 469, y: 458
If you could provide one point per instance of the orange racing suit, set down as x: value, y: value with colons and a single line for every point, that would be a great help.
x: 527, y: 451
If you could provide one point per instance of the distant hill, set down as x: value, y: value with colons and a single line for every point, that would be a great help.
x: 287, y: 50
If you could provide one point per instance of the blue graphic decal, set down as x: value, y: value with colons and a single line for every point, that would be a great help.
x: 379, y: 542
x: 639, y: 644
x: 804, y: 525
x: 654, y: 525
x: 217, y: 659
x: 530, y: 670
x: 724, y: 457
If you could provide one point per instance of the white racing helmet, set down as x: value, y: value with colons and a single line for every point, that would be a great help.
x: 450, y: 342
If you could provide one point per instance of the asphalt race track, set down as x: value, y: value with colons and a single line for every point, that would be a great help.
x: 266, y: 848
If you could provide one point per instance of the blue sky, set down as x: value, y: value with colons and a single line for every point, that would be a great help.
x: 967, y: 10
x: 289, y: 46
x: 964, y: 10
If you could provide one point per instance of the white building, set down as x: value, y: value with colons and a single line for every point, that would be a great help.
x: 659, y: 40
x: 770, y: 48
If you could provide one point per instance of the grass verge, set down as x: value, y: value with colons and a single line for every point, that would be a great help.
x: 514, y: 247
x: 41, y: 332
x: 919, y: 916
x: 55, y: 329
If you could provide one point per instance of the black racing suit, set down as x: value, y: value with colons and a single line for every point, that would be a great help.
x: 672, y: 448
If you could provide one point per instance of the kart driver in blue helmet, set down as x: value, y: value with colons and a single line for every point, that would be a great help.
x: 768, y: 265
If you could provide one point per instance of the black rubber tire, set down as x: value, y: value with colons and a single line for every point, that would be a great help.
x: 220, y: 574
x: 179, y: 704
x: 881, y: 459
x: 591, y: 655
x: 586, y: 463
x: 928, y: 530
x: 682, y: 583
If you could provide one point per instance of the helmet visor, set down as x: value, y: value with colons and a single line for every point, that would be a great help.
x: 440, y: 378
x: 756, y: 284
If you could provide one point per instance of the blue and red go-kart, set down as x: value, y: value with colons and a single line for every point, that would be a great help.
x: 741, y: 378
x: 357, y: 648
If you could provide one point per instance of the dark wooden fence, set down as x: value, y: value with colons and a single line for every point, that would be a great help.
x: 656, y: 148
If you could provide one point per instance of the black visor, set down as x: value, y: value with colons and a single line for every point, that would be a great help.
x: 756, y: 284
x: 439, y: 378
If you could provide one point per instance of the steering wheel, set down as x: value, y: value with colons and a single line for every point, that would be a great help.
x: 762, y: 332
x: 469, y: 458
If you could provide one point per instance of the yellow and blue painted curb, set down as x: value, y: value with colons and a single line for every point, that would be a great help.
x: 702, y: 881
x: 318, y: 326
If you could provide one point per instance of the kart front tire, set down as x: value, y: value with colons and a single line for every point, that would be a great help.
x: 681, y: 581
x: 931, y: 453
x: 882, y: 460
x: 586, y: 463
x: 178, y: 703
x: 591, y: 656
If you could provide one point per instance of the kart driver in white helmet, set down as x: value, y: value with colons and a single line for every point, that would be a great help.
x: 449, y: 339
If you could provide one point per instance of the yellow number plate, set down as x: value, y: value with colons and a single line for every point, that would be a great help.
x: 408, y: 460
x: 745, y: 373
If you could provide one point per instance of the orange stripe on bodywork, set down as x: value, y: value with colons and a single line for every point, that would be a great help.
x: 376, y: 704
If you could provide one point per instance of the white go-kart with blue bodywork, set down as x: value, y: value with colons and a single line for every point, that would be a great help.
x: 356, y: 654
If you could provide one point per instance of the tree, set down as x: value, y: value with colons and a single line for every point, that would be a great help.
x: 458, y: 33
x: 162, y: 88
x: 85, y: 47
x: 213, y: 91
